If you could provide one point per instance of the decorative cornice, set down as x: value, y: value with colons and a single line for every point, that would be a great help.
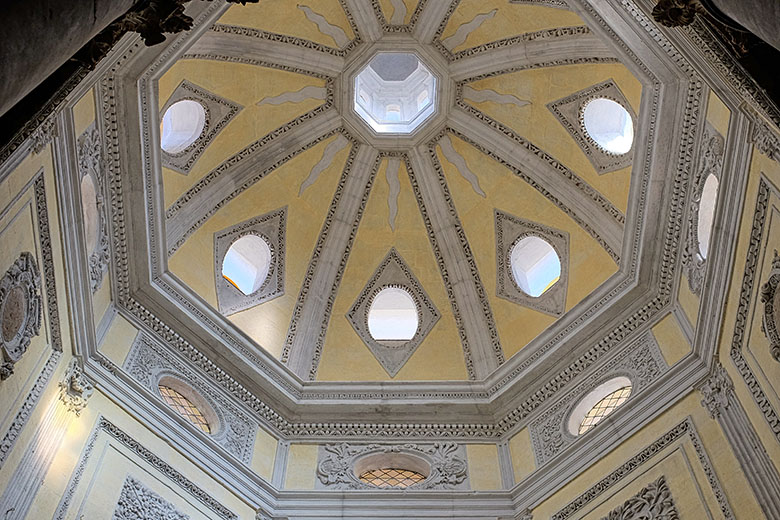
x: 765, y: 139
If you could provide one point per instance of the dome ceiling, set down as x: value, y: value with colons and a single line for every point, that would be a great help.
x: 505, y: 155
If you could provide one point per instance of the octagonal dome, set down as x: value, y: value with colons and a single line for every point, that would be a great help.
x: 395, y: 93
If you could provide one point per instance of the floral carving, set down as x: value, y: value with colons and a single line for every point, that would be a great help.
x: 770, y: 297
x: 652, y: 503
x: 448, y: 470
x: 75, y: 388
x: 137, y: 502
x: 20, y: 310
x: 673, y: 13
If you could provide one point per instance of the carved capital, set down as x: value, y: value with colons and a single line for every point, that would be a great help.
x: 764, y: 139
x: 673, y: 13
x: 75, y: 388
x: 716, y: 391
x: 770, y: 297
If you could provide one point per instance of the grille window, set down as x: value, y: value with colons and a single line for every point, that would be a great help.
x: 391, y: 478
x: 184, y: 407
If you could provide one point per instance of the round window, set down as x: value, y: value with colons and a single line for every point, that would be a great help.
x: 598, y: 404
x: 535, y: 265
x: 392, y: 315
x: 247, y: 263
x: 709, y: 196
x: 609, y: 125
x: 182, y: 124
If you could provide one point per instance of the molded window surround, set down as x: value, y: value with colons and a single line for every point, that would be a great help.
x: 249, y: 262
x: 532, y: 264
x: 393, y: 283
x: 571, y: 112
x: 188, y: 98
x: 701, y: 213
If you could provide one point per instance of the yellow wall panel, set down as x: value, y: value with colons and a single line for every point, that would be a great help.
x: 522, y: 454
x: 301, y: 466
x: 264, y: 454
x: 671, y: 340
x: 484, y: 473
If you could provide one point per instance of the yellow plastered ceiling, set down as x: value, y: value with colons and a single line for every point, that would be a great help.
x: 440, y: 356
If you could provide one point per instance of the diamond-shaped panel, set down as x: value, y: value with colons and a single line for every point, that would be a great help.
x: 393, y: 272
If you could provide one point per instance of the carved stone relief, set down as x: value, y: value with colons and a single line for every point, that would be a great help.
x: 270, y: 227
x: 95, y: 219
x: 219, y: 112
x: 393, y: 272
x: 569, y: 112
x: 149, y: 364
x: 447, y: 462
x: 75, y: 388
x: 770, y: 297
x: 641, y: 361
x: 673, y: 13
x: 710, y: 163
x: 509, y: 231
x: 20, y: 310
x: 137, y: 502
x: 653, y: 502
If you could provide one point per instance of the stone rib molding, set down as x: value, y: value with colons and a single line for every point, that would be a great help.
x: 480, y: 340
x: 312, y: 312
x: 246, y: 43
x: 593, y: 214
x: 432, y: 20
x: 365, y: 19
x: 194, y: 207
x: 526, y: 53
x: 722, y: 403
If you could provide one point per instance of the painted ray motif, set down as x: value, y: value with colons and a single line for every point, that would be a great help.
x: 310, y: 92
x: 325, y: 27
x: 466, y: 29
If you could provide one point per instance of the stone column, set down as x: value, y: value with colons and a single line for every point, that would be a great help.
x: 761, y: 474
x: 40, y: 35
x: 761, y: 17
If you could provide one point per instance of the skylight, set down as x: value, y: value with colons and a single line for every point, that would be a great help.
x: 609, y: 125
x: 395, y: 93
x: 182, y: 124
x: 535, y: 265
x: 393, y: 315
x: 247, y: 263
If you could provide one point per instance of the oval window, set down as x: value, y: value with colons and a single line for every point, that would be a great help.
x: 188, y: 403
x: 392, y: 315
x: 89, y: 211
x: 181, y: 126
x: 535, y: 265
x: 598, y: 404
x: 709, y: 196
x: 609, y: 125
x: 391, y: 470
x: 247, y: 263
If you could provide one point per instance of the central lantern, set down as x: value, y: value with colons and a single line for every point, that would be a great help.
x: 395, y: 93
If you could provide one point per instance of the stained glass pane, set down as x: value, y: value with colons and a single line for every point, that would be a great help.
x: 184, y: 407
x: 391, y: 478
x: 604, y: 407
